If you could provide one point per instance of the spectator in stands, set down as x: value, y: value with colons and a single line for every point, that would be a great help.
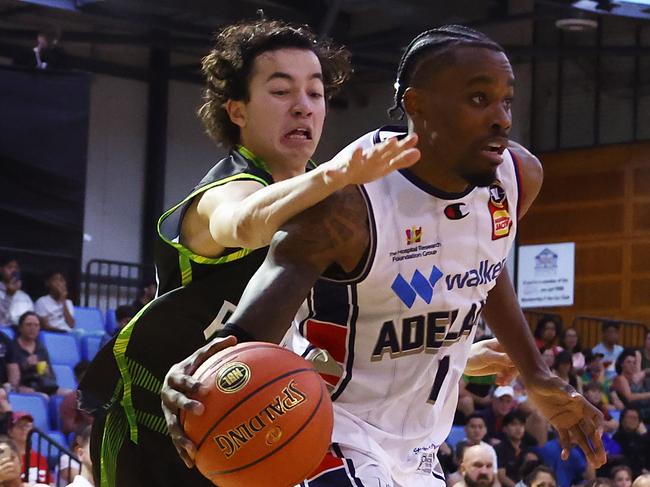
x: 609, y: 347
x: 621, y: 476
x: 55, y: 309
x: 477, y: 468
x: 595, y: 372
x: 13, y: 300
x: 10, y: 468
x: 475, y: 431
x: 510, y: 452
x: 31, y: 370
x: 599, y: 482
x: 147, y: 293
x: 563, y: 367
x: 541, y: 476
x: 642, y: 481
x: 81, y: 448
x: 547, y: 332
x: 5, y: 412
x: 568, y: 472
x: 531, y: 460
x: 124, y: 314
x: 569, y: 342
x: 593, y: 392
x: 630, y: 386
x: 6, y: 358
x: 632, y: 436
x: 22, y: 425
x: 73, y: 419
x: 502, y: 403
x: 643, y: 359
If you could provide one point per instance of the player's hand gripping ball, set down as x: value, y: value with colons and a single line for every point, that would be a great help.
x: 267, y: 420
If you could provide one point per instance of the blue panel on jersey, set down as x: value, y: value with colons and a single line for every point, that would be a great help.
x: 422, y: 286
x: 435, y: 276
x: 403, y: 290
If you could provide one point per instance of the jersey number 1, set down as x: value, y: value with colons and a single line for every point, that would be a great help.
x: 443, y: 368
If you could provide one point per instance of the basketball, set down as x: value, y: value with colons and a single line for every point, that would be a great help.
x: 267, y: 420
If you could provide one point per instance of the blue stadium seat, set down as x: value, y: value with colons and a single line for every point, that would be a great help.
x: 62, y: 347
x: 64, y: 376
x: 89, y: 320
x: 34, y: 404
x: 54, y: 408
x: 90, y: 345
x: 615, y: 414
x: 111, y: 322
x: 456, y: 434
x: 9, y: 331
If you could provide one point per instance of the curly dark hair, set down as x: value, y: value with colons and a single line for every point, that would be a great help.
x: 228, y: 67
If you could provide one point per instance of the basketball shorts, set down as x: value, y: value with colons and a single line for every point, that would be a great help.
x: 344, y: 466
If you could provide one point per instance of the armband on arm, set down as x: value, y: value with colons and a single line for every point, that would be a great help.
x: 236, y: 331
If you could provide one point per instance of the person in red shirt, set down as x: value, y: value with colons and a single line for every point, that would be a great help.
x: 22, y: 423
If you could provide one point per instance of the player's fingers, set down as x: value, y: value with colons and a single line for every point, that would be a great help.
x: 407, y: 142
x: 175, y: 401
x: 565, y: 443
x: 589, y: 439
x: 208, y: 351
x: 405, y: 159
x: 183, y: 383
x: 185, y: 448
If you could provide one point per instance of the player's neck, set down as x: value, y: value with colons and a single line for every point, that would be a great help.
x: 433, y: 171
x: 283, y: 170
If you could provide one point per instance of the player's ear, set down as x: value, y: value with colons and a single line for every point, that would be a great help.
x: 412, y: 101
x: 236, y: 110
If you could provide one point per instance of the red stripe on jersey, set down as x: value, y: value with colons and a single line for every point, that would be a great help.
x: 328, y: 463
x: 328, y: 336
x: 330, y: 379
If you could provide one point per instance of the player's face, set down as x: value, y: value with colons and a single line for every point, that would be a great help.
x: 283, y: 118
x: 467, y: 113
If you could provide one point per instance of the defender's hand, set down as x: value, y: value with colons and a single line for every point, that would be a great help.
x: 487, y: 357
x: 177, y: 389
x: 364, y: 166
x: 575, y: 419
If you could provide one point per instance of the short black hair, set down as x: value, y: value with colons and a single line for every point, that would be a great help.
x: 125, y: 311
x: 512, y: 416
x: 430, y: 45
x: 539, y: 328
x: 474, y: 416
x: 610, y: 324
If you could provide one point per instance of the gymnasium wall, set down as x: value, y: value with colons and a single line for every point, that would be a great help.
x: 600, y: 199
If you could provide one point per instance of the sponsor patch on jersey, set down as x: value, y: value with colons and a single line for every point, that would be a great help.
x: 498, y: 206
x: 456, y: 211
x: 413, y: 235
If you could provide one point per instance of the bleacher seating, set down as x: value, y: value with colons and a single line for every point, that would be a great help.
x: 9, y: 331
x: 64, y: 376
x: 90, y: 345
x: 34, y: 404
x: 111, y: 322
x: 456, y: 434
x: 54, y: 409
x: 89, y: 320
x: 62, y: 347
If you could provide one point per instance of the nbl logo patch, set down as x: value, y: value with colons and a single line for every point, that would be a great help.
x: 498, y: 206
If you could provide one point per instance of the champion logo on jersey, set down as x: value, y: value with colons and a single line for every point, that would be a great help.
x: 418, y: 286
x: 413, y: 235
x: 456, y: 211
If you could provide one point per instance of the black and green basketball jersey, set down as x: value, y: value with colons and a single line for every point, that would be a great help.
x: 198, y: 296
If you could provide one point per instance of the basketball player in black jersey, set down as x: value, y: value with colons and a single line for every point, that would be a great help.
x: 267, y: 85
x: 456, y: 86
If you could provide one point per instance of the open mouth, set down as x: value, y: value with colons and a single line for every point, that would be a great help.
x: 495, y: 147
x: 299, y: 134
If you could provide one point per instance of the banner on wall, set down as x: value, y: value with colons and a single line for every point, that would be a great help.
x: 546, y: 275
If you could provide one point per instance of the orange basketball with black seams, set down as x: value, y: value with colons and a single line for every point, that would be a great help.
x: 267, y: 421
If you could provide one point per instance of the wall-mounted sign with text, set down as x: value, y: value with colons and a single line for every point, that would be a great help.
x: 545, y: 275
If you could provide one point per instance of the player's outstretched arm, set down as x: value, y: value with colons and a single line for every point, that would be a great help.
x: 245, y: 215
x: 333, y: 231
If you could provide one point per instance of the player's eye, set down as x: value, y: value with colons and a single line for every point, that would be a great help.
x: 479, y: 99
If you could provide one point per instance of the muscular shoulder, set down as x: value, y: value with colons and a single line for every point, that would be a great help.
x: 332, y: 231
x: 531, y: 174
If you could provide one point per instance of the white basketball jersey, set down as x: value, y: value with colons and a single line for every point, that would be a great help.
x: 402, y: 329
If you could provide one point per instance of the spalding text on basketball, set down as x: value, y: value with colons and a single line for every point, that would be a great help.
x: 290, y: 398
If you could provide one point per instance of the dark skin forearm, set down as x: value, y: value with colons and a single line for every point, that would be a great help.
x: 334, y: 231
x: 506, y: 319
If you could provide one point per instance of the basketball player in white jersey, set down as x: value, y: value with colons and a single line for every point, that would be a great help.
x: 396, y: 272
